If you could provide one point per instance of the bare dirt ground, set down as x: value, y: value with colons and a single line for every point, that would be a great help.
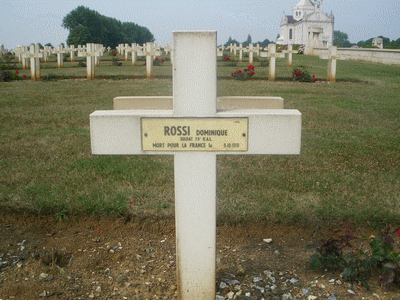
x: 119, y: 258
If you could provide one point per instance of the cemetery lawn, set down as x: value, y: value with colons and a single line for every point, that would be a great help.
x: 68, y: 219
x: 347, y: 171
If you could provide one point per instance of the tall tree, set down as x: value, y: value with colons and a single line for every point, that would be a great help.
x: 341, y: 39
x: 88, y: 26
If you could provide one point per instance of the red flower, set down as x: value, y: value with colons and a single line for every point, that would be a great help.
x: 251, y: 67
x: 299, y: 73
x: 252, y: 74
x: 16, y: 72
x: 24, y: 76
x: 162, y: 60
x: 293, y: 75
x: 398, y: 233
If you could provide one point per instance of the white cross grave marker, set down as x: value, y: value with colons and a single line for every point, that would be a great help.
x: 25, y: 60
x: 134, y: 50
x: 127, y: 49
x: 251, y: 52
x: 332, y: 56
x: 290, y: 52
x: 60, y: 55
x: 90, y: 55
x: 150, y: 53
x: 240, y: 48
x: 72, y: 50
x: 195, y: 132
x: 34, y: 54
x: 272, y: 55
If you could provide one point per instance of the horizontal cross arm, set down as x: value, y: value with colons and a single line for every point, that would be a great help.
x: 269, y: 131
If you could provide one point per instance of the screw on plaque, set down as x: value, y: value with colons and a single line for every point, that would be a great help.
x: 244, y: 134
x: 145, y: 135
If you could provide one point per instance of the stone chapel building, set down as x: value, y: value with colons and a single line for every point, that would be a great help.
x: 308, y: 25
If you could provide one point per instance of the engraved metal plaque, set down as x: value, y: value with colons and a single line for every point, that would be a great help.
x: 194, y: 134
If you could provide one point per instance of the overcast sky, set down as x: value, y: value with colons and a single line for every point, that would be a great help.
x: 23, y: 22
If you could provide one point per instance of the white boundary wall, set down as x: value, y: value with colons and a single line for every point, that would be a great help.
x: 384, y: 56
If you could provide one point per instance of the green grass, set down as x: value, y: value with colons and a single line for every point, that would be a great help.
x: 348, y: 168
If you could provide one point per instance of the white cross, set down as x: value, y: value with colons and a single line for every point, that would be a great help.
x: 21, y: 52
x: 126, y: 49
x: 72, y: 50
x: 90, y: 55
x: 240, y: 48
x: 195, y: 123
x: 272, y: 55
x: 34, y: 54
x: 150, y: 53
x: 47, y: 53
x: 332, y: 56
x: 60, y: 55
x: 251, y: 52
x: 290, y: 52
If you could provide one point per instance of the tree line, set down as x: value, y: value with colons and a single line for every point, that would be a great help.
x: 341, y: 39
x: 88, y: 26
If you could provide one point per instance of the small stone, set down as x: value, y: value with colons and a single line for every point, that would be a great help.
x: 268, y: 241
x: 312, y: 297
x: 257, y: 279
x: 91, y: 296
x: 338, y: 282
x: 321, y: 286
x: 218, y: 297
x: 44, y: 294
x: 287, y: 296
x: 241, y: 271
x: 376, y: 295
x: 333, y: 297
x: 351, y: 292
x: 293, y: 281
x: 305, y: 292
x: 272, y: 279
x: 276, y: 252
x: 222, y: 285
x: 43, y: 276
x: 98, y: 289
x: 230, y: 295
x: 19, y: 264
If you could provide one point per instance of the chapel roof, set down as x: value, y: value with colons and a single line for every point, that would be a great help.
x: 305, y: 3
x: 290, y: 19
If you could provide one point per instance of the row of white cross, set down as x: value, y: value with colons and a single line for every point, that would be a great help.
x: 93, y: 52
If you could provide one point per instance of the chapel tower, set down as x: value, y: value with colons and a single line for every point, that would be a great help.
x: 308, y: 25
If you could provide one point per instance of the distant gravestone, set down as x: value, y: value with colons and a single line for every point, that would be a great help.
x: 25, y: 60
x: 2, y: 50
x: 251, y: 52
x: 34, y: 55
x: 72, y: 50
x: 290, y: 52
x: 272, y: 55
x: 150, y: 54
x: 127, y: 49
x: 195, y: 133
x: 47, y: 53
x: 134, y: 51
x: 60, y: 56
x: 241, y: 49
x: 90, y: 55
x: 332, y: 56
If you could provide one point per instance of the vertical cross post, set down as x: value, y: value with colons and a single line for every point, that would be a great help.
x: 240, y: 48
x: 234, y: 50
x: 134, y: 50
x: 60, y: 56
x: 290, y: 52
x: 272, y: 55
x: 126, y: 49
x: 332, y: 56
x: 25, y: 60
x: 71, y: 50
x: 150, y: 54
x: 34, y: 54
x: 195, y: 90
x: 251, y: 51
x: 90, y: 59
